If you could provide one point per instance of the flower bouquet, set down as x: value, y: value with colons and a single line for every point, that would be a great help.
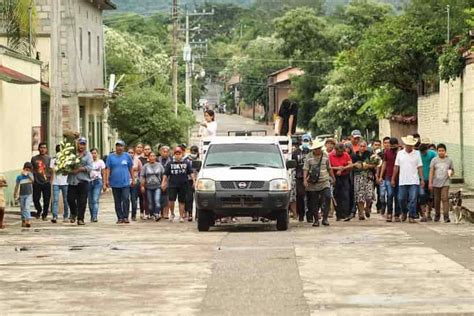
x: 67, y: 159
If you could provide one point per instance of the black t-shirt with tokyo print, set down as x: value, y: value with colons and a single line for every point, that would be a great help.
x: 177, y: 172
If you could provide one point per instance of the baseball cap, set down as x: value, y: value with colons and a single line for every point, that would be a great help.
x: 120, y: 142
x: 82, y: 140
x: 306, y: 138
x: 356, y: 133
x: 178, y: 150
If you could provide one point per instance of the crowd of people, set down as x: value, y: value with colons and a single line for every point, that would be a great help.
x: 405, y: 180
x: 140, y: 180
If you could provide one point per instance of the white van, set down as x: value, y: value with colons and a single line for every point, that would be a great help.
x: 243, y: 177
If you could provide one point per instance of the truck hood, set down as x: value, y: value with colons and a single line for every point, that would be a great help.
x: 227, y: 174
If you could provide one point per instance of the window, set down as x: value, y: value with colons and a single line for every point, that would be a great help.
x: 45, y: 121
x: 82, y: 118
x: 250, y: 155
x: 91, y: 132
x: 98, y: 50
x: 80, y: 42
x: 89, y: 42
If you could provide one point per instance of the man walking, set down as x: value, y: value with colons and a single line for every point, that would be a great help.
x: 42, y: 184
x: 385, y: 180
x: 164, y: 160
x: 118, y: 176
x: 341, y: 164
x: 78, y: 184
x: 143, y: 153
x: 409, y: 170
x: 317, y: 175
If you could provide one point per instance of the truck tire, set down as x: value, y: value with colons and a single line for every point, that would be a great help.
x: 282, y: 220
x: 204, y: 220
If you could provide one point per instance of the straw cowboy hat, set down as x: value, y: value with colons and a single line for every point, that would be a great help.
x: 317, y: 143
x: 425, y: 141
x: 410, y: 140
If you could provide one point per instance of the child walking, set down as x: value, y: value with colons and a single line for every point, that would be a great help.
x: 24, y: 193
x: 441, y: 171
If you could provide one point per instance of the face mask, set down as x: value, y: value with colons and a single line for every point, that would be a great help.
x: 193, y: 156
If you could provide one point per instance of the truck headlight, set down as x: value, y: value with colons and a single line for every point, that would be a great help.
x: 279, y: 185
x: 206, y: 185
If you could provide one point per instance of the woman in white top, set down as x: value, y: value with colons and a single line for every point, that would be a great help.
x: 209, y: 126
x: 95, y: 187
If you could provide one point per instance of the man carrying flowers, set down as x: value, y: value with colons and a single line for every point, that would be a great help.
x: 78, y: 183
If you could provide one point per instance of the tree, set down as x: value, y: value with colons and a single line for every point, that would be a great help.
x: 146, y: 115
x: 15, y: 18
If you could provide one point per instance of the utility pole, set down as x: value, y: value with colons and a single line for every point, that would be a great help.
x: 448, y: 11
x: 56, y: 128
x: 187, y: 54
x: 30, y: 29
x: 174, y: 61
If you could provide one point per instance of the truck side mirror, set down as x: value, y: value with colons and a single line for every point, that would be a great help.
x: 197, y: 164
x: 291, y: 164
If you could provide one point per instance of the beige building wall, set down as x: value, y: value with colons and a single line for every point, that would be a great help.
x: 20, y: 110
x: 448, y: 117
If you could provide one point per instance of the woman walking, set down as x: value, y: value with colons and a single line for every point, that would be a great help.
x: 364, y: 173
x: 135, y: 188
x: 151, y: 176
x: 95, y: 188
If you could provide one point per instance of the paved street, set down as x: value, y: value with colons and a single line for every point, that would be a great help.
x: 355, y: 268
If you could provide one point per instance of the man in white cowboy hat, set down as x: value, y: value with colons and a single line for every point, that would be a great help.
x: 409, y: 170
x: 317, y: 176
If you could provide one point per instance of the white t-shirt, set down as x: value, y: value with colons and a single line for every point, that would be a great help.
x: 408, y: 164
x: 59, y: 179
x: 97, y: 167
x: 210, y: 130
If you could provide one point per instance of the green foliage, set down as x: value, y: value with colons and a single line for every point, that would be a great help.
x: 14, y: 16
x: 146, y: 115
x: 451, y: 63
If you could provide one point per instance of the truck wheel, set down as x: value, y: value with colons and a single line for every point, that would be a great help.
x: 282, y: 220
x: 204, y: 220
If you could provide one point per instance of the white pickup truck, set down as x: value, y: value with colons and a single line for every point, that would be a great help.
x: 243, y: 177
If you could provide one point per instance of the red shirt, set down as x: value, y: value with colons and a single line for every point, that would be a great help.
x: 340, y: 161
x: 389, y: 157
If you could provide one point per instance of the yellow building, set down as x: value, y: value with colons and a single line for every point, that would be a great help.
x: 20, y: 112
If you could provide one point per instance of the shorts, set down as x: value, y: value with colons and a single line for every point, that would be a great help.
x: 179, y: 193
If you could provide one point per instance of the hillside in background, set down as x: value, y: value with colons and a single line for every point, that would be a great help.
x: 148, y: 7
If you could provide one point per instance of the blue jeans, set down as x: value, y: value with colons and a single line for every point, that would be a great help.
x: 134, y: 198
x: 122, y: 202
x: 56, y: 190
x: 95, y: 189
x: 392, y: 197
x: 25, y: 202
x: 408, y: 197
x: 154, y: 199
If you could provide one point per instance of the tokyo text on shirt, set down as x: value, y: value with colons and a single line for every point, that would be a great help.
x: 177, y: 172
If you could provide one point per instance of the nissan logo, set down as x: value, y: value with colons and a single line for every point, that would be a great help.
x: 242, y: 185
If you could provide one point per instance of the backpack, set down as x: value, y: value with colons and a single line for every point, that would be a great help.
x: 315, y: 171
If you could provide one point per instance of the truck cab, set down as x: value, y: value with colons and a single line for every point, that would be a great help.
x: 243, y: 177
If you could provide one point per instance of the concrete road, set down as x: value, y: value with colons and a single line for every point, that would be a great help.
x: 355, y: 268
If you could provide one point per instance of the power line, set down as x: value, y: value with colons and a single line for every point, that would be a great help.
x: 274, y: 60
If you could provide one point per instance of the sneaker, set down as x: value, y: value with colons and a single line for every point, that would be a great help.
x: 437, y: 218
x: 157, y: 218
x: 411, y: 220
x: 325, y: 222
x: 126, y: 221
x: 171, y: 217
x: 190, y: 219
x: 94, y: 220
x: 397, y: 219
x: 316, y: 224
x: 72, y: 220
x: 181, y: 220
x: 389, y: 218
x: 446, y: 219
x: 120, y: 221
x: 80, y: 222
x: 54, y: 220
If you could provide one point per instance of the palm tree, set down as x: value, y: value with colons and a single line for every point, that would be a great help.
x: 17, y: 24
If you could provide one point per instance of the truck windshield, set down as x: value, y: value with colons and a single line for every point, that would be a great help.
x: 234, y: 155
